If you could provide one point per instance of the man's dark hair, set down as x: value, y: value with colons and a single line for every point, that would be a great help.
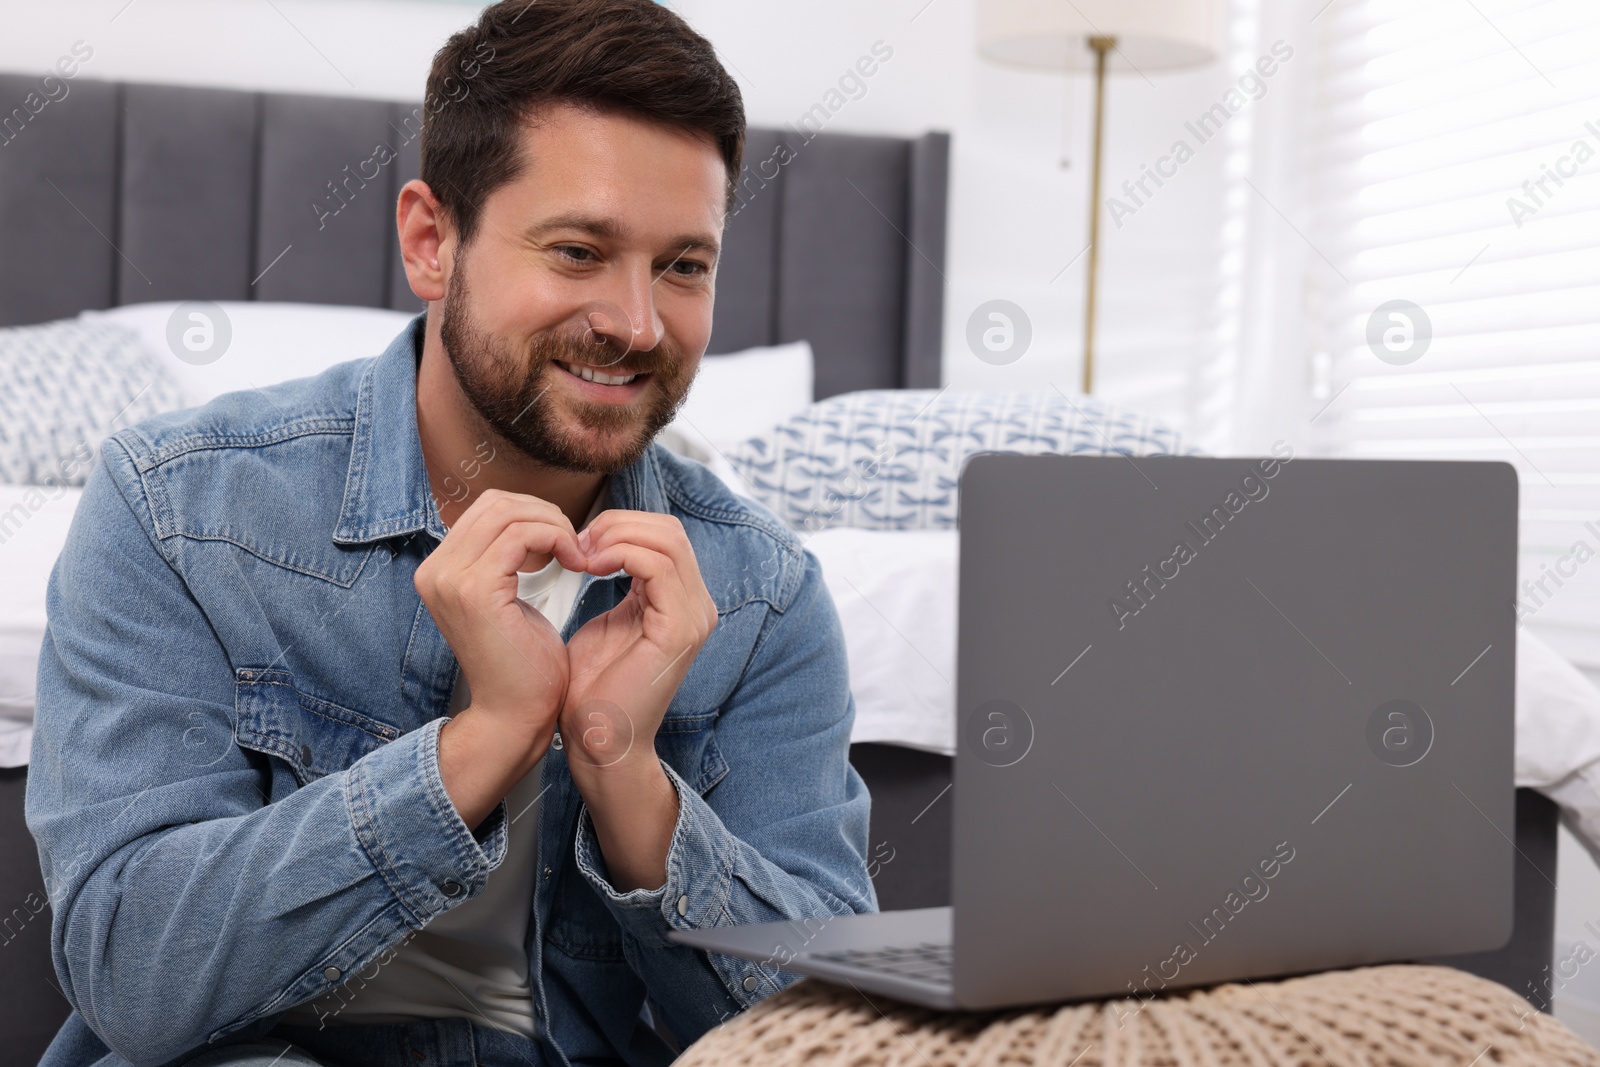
x: 633, y: 56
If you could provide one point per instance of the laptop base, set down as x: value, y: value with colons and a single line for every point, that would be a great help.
x: 892, y: 953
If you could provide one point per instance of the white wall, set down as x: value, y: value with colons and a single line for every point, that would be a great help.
x: 1017, y: 216
x: 373, y: 48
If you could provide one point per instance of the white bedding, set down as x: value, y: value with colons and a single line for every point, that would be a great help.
x: 33, y: 527
x: 895, y: 593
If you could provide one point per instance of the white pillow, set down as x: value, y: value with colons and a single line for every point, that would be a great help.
x: 745, y: 394
x: 269, y: 342
x: 738, y: 396
x: 33, y: 528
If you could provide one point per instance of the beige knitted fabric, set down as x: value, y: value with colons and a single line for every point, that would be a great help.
x: 1389, y: 1016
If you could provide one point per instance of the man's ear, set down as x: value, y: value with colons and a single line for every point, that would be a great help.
x: 427, y: 239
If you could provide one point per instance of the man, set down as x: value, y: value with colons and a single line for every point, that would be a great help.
x: 398, y: 715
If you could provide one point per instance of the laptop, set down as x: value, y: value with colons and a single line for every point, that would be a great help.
x: 1219, y: 719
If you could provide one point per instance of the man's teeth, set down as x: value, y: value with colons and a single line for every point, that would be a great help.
x: 589, y: 374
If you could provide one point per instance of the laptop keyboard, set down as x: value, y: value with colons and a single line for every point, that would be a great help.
x: 928, y: 962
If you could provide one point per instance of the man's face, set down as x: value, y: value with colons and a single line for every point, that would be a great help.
x: 580, y: 324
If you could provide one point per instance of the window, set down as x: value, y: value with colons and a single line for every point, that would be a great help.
x: 1455, y: 201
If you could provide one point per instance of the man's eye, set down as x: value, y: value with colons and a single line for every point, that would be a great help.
x: 576, y: 253
x: 688, y: 268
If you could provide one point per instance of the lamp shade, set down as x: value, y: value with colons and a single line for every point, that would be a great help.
x: 1054, y: 34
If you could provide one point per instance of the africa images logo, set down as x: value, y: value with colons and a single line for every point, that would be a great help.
x: 1253, y: 488
x: 1252, y: 888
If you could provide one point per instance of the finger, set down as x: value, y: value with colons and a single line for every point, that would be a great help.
x: 655, y: 576
x: 511, y: 550
x: 491, y: 512
x: 669, y: 537
x: 488, y: 516
x: 663, y: 533
x: 660, y: 533
x: 546, y: 632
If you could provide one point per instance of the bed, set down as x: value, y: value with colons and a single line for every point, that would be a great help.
x: 119, y: 199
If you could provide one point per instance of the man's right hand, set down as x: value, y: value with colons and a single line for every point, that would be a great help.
x: 514, y: 660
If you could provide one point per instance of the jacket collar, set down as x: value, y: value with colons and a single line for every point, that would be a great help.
x: 386, y: 488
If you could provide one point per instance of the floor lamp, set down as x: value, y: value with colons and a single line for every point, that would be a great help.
x: 1102, y: 37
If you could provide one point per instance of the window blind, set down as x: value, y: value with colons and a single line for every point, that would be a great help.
x: 1455, y: 196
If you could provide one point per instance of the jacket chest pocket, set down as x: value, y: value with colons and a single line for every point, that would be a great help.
x: 688, y: 744
x: 314, y: 737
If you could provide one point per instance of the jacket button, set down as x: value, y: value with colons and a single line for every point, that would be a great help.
x: 750, y: 984
x: 452, y: 888
x: 305, y: 755
x: 683, y: 904
x: 556, y: 742
x: 331, y: 973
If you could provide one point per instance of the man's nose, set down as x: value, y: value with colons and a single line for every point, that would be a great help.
x: 627, y: 318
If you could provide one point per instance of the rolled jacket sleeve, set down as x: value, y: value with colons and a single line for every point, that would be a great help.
x: 185, y: 905
x: 782, y: 836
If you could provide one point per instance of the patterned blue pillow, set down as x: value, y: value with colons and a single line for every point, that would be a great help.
x: 66, y: 386
x: 890, y: 459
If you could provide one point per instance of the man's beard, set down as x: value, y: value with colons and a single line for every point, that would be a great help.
x: 503, y: 386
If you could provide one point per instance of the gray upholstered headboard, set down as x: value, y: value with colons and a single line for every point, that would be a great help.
x: 121, y: 193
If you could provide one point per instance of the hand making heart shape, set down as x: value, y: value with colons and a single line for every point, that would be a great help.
x: 609, y: 687
x: 627, y: 663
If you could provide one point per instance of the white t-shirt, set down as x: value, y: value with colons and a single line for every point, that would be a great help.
x: 470, y: 961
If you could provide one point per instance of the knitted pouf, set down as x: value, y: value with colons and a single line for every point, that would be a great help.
x: 1386, y: 1016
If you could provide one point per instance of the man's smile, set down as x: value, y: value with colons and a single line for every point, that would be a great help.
x: 602, y: 384
x: 591, y: 374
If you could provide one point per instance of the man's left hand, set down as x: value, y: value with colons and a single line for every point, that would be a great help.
x: 625, y: 667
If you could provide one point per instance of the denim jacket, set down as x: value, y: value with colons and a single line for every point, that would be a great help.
x: 235, y: 783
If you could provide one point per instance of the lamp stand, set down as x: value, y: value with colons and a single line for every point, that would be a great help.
x: 1101, y: 46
